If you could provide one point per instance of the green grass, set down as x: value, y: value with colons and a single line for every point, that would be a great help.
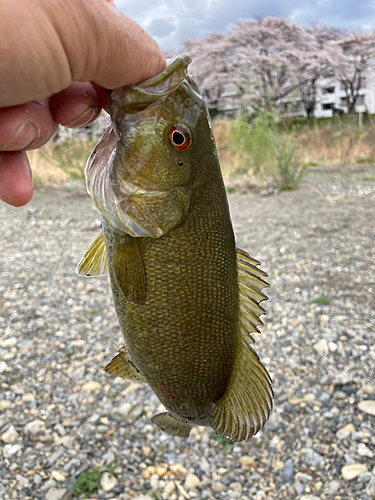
x: 365, y: 159
x: 155, y: 494
x: 69, y: 352
x: 88, y: 482
x: 324, y: 299
x: 368, y: 177
x: 221, y: 440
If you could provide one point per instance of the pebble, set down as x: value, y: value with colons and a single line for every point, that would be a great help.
x: 191, y: 482
x: 349, y: 472
x: 169, y: 487
x: 248, y: 463
x: 288, y: 470
x: 332, y: 488
x: 218, y: 487
x: 314, y: 459
x: 365, y: 477
x: 370, y: 488
x: 34, y: 429
x: 154, y: 481
x: 364, y: 451
x: 55, y: 494
x: 5, y: 404
x: 57, y: 475
x: 367, y: 406
x: 108, y: 481
x: 9, y: 435
x: 236, y: 487
x: 345, y: 432
x: 9, y: 450
x: 321, y: 347
x: 91, y: 386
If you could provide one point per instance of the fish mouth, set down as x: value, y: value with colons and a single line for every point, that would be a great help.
x: 136, y: 98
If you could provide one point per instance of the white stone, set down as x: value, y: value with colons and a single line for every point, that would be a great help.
x: 10, y: 435
x: 55, y: 494
x: 34, y: 428
x: 321, y: 347
x: 11, y: 449
x: 57, y: 475
x: 367, y: 406
x: 4, y: 405
x: 4, y: 367
x: 349, y: 472
x: 169, y: 487
x: 191, y: 482
x: 108, y: 482
x: 91, y: 386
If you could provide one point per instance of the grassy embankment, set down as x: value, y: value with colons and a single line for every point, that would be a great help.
x: 254, y: 156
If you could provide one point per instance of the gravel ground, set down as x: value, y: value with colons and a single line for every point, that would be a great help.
x: 62, y: 417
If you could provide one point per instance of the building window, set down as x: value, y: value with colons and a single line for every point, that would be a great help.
x: 360, y: 100
x: 343, y: 101
x: 328, y: 105
x: 329, y: 90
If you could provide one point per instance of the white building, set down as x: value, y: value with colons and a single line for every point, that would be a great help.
x: 331, y: 98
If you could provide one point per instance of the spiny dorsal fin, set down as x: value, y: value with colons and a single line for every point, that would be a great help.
x: 169, y: 424
x: 94, y: 261
x: 245, y: 406
x: 120, y: 366
x: 250, y: 285
x: 130, y: 269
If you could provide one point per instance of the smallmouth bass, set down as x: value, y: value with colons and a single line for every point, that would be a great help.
x: 187, y: 300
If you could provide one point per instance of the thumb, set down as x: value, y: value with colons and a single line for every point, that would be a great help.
x: 118, y: 51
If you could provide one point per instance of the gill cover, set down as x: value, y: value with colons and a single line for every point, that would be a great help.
x: 137, y: 177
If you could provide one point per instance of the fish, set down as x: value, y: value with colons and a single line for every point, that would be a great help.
x: 187, y: 299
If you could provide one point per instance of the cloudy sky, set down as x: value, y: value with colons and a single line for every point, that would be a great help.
x: 170, y: 21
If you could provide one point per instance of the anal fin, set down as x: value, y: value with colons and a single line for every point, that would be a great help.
x: 94, y: 261
x: 120, y: 366
x: 169, y: 424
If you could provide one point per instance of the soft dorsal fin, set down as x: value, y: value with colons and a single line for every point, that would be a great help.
x: 129, y: 268
x: 245, y: 406
x: 94, y: 261
x: 250, y: 284
x: 120, y: 366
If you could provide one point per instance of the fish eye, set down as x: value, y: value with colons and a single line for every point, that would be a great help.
x: 180, y: 138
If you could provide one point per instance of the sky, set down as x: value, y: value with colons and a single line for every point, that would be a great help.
x: 171, y: 21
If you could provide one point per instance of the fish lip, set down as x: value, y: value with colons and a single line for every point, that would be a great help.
x: 135, y: 98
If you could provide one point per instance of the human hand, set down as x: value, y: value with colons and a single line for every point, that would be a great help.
x: 57, y: 57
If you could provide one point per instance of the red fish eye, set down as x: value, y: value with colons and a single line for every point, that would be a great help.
x: 180, y: 138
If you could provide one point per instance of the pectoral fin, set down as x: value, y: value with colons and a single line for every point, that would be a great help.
x: 94, y: 262
x: 169, y: 424
x: 120, y: 366
x: 130, y: 269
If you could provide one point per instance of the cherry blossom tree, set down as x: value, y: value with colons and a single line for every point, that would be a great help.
x: 321, y: 63
x: 357, y: 59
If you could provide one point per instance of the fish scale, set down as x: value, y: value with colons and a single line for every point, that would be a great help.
x: 187, y: 300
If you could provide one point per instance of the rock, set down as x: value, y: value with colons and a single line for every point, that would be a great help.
x: 37, y: 480
x: 4, y: 405
x: 309, y: 397
x: 288, y: 470
x: 367, y: 406
x: 10, y: 435
x: 34, y: 429
x: 248, y: 463
x: 161, y: 469
x: 295, y: 401
x: 109, y: 457
x: 178, y: 470
x: 55, y: 456
x: 370, y: 489
x: 349, y: 472
x: 191, y: 482
x: 309, y: 497
x: 345, y: 432
x: 55, y: 494
x: 11, y: 449
x: 368, y: 389
x: 332, y: 488
x: 108, y: 482
x: 314, y: 459
x: 57, y: 476
x: 321, y: 347
x: 91, y: 386
x: 363, y: 451
x: 169, y: 487
x: 365, y: 477
x: 236, y: 487
x: 154, y: 481
x: 146, y: 450
x: 4, y: 367
x: 217, y: 486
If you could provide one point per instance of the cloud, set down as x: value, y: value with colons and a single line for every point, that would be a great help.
x: 170, y: 22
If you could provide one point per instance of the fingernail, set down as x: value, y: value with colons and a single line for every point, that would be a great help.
x: 84, y: 118
x: 24, y: 138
